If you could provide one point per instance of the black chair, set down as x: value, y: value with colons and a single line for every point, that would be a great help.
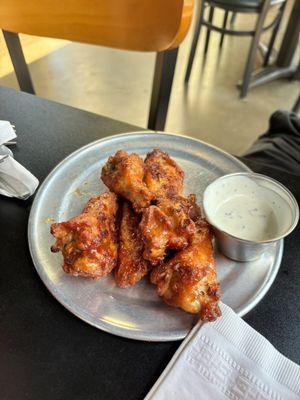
x: 296, y: 107
x: 259, y: 7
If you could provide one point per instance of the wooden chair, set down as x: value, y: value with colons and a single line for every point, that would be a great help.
x: 142, y: 25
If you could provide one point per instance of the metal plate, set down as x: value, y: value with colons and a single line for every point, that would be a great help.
x: 136, y: 312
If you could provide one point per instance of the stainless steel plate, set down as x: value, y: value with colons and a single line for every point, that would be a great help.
x: 136, y: 312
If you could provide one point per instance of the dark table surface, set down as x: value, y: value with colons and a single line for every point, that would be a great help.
x: 45, y: 351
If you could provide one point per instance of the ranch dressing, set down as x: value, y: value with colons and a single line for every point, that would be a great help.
x: 247, y: 218
x: 239, y: 206
x: 249, y: 213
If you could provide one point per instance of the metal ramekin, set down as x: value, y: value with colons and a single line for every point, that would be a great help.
x: 247, y: 250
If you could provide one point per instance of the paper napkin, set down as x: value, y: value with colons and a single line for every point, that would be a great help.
x: 15, y: 180
x: 227, y: 359
x: 7, y: 132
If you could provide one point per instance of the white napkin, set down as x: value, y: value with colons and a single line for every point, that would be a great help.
x: 7, y: 132
x: 227, y: 359
x: 15, y: 180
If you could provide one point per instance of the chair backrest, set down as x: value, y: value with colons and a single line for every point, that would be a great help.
x: 145, y: 25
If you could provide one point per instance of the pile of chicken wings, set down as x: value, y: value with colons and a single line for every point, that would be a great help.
x: 144, y: 224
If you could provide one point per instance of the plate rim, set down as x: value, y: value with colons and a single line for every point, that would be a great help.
x: 118, y: 331
x: 119, y: 135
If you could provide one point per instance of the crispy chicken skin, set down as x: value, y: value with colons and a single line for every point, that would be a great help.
x: 144, y: 224
x: 123, y: 174
x: 131, y: 266
x: 88, y: 242
x: 189, y: 279
x: 168, y: 225
x: 163, y: 176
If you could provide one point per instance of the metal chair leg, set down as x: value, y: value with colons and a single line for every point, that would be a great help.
x: 17, y: 57
x: 233, y: 18
x: 210, y: 20
x: 223, y: 27
x: 253, y: 48
x: 297, y: 72
x: 195, y: 41
x: 161, y: 89
x: 274, y: 35
x: 296, y: 107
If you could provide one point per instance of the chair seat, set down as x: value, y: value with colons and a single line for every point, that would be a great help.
x: 241, y: 5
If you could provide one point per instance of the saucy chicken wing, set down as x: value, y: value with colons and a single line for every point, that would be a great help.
x: 88, y: 242
x: 163, y: 176
x: 131, y: 266
x: 168, y: 225
x: 189, y: 279
x: 123, y: 174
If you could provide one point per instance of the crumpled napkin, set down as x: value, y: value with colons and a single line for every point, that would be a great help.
x: 15, y: 180
x: 227, y: 359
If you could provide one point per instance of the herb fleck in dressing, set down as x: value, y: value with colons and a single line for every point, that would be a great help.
x: 247, y: 218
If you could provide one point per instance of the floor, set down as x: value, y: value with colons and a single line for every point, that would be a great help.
x: 118, y: 84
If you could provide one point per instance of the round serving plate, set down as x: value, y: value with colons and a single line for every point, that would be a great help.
x: 137, y: 312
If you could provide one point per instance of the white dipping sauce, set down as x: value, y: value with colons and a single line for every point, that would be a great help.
x: 247, y: 218
x: 239, y: 206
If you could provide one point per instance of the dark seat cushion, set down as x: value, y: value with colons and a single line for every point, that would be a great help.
x: 241, y: 5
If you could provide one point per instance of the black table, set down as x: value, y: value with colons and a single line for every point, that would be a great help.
x: 45, y: 351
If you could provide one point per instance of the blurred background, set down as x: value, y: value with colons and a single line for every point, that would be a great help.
x: 117, y: 83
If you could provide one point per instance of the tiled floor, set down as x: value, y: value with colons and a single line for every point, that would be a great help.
x: 118, y: 84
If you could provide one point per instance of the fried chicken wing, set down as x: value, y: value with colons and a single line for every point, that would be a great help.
x: 163, y: 176
x: 131, y: 265
x: 168, y: 225
x: 123, y: 174
x: 189, y: 279
x: 88, y: 242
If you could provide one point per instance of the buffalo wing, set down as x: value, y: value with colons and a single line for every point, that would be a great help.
x: 189, y: 279
x: 167, y: 225
x: 123, y: 174
x: 163, y: 176
x: 131, y: 265
x: 88, y: 242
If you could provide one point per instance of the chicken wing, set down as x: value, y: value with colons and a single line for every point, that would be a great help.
x: 123, y: 174
x: 88, y: 242
x: 189, y: 279
x: 168, y: 225
x: 163, y: 176
x: 131, y: 265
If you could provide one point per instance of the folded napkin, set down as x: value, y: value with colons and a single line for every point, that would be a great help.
x: 227, y: 359
x: 7, y: 132
x: 15, y: 180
